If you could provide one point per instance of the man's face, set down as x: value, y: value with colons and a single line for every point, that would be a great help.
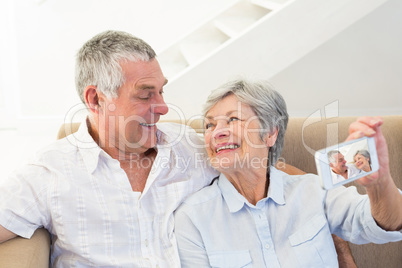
x: 339, y: 166
x: 129, y: 119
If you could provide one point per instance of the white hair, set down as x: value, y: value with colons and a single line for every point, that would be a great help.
x: 98, y: 61
x: 267, y: 103
x: 331, y: 156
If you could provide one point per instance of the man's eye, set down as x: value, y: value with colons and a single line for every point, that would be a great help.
x: 144, y: 97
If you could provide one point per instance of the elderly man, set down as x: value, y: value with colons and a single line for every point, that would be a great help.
x: 340, y: 171
x: 107, y: 193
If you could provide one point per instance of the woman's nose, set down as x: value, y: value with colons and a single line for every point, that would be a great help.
x: 221, y: 130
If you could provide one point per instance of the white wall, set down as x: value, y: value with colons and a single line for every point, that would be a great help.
x: 281, y: 40
x: 360, y: 68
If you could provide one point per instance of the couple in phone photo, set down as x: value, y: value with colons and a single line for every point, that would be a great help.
x: 342, y: 170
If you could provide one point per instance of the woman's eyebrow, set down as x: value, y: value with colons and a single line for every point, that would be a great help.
x: 226, y: 115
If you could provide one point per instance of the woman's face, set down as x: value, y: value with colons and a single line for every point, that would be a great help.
x: 361, y: 162
x: 232, y: 137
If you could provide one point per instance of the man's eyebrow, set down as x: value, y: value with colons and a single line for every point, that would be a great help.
x: 150, y: 87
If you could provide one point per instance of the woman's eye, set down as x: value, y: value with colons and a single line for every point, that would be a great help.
x: 207, y: 126
x: 231, y: 119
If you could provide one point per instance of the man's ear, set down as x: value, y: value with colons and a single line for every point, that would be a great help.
x: 92, y: 98
x: 270, y: 138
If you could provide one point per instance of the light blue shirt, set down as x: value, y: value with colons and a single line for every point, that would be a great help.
x: 218, y: 227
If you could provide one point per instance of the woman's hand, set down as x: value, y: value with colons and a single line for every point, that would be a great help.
x: 385, y: 198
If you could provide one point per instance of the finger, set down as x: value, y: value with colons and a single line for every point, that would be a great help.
x: 373, y: 122
x: 355, y: 135
x: 359, y: 126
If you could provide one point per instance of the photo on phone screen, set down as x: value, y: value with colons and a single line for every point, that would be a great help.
x: 346, y: 162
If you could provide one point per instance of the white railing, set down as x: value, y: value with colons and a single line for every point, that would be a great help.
x: 214, y: 33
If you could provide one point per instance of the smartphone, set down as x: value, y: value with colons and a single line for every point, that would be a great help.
x: 346, y: 162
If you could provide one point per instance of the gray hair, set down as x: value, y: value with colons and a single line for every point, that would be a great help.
x: 331, y: 154
x: 364, y: 153
x: 98, y: 61
x: 267, y: 103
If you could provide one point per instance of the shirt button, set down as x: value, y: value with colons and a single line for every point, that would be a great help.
x: 267, y: 246
x: 146, y: 242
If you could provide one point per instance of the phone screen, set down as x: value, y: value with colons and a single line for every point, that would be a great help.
x: 346, y: 162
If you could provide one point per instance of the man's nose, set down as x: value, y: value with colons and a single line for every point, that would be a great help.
x: 159, y: 107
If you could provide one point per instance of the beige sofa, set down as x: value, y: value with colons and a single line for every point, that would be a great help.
x: 302, y: 136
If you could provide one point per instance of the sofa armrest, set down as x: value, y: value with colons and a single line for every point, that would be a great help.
x: 21, y: 252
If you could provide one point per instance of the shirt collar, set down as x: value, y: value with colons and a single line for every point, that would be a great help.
x: 162, y: 139
x: 232, y: 197
x: 236, y: 201
x: 275, y: 191
x: 90, y: 150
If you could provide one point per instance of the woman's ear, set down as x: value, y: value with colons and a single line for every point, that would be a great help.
x: 270, y: 138
x: 92, y: 99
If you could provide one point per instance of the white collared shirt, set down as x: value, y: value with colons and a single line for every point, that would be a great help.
x: 352, y: 171
x: 83, y: 197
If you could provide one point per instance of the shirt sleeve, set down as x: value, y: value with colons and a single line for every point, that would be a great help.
x: 23, y: 206
x: 349, y: 216
x: 189, y: 241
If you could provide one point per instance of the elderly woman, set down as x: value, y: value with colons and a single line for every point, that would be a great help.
x: 362, y: 160
x: 254, y: 215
